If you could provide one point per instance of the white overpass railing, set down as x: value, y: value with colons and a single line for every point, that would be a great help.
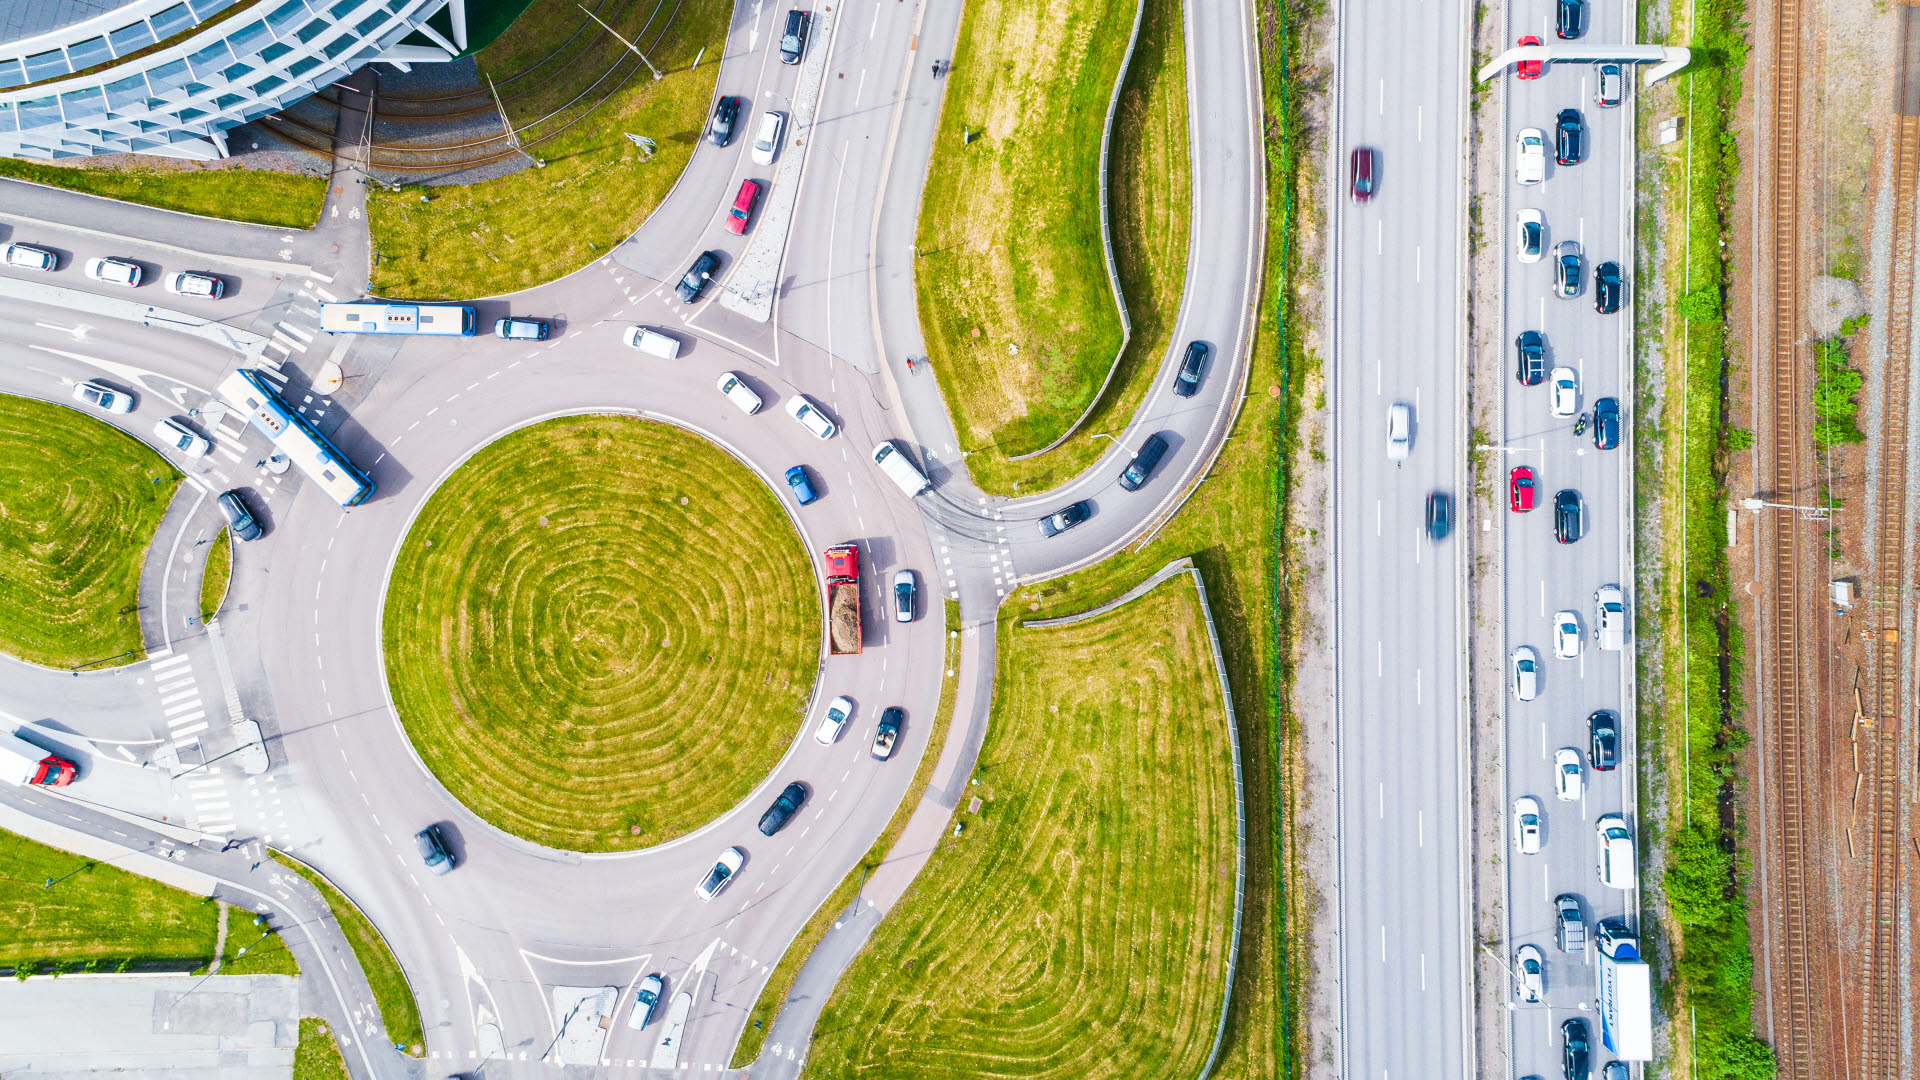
x: 1666, y: 59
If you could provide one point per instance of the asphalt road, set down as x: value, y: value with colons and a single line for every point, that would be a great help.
x: 1399, y: 598
x: 1589, y: 203
x: 298, y: 645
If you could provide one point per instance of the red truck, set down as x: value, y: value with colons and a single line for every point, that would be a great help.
x: 843, y: 599
x: 23, y: 763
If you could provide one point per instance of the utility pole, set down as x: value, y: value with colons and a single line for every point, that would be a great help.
x: 513, y: 137
x: 635, y: 49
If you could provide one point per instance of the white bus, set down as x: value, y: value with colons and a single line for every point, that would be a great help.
x: 293, y: 436
x: 375, y: 318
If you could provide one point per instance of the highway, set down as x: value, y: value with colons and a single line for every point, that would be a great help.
x: 298, y: 646
x: 1589, y: 203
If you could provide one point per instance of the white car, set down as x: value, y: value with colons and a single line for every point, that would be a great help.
x: 1530, y: 156
x: 1568, y: 781
x: 729, y: 864
x: 652, y: 342
x: 645, y: 997
x: 1530, y: 974
x: 204, y: 286
x: 1610, y: 618
x: 114, y: 271
x: 1526, y: 825
x: 810, y: 416
x: 1566, y: 635
x: 1526, y: 673
x: 103, y: 397
x: 1529, y: 235
x: 832, y: 724
x: 1399, y: 431
x: 1616, y: 852
x: 177, y: 436
x: 28, y: 257
x: 1564, y: 384
x: 737, y: 391
x: 767, y: 142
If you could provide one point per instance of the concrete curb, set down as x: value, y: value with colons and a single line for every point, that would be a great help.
x: 132, y: 860
x: 1174, y: 569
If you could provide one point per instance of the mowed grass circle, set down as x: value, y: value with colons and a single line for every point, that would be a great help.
x: 80, y: 502
x: 599, y: 624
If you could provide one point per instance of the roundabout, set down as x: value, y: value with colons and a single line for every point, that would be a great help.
x: 601, y: 632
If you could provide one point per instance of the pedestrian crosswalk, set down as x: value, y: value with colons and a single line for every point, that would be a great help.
x: 180, y: 701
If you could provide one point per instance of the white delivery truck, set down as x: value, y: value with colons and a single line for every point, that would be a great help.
x: 1625, y: 992
x: 22, y: 763
x: 900, y: 468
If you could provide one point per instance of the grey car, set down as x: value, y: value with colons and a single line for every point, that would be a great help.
x: 645, y: 997
x: 1065, y: 518
x: 433, y: 850
x: 903, y: 590
x: 239, y: 518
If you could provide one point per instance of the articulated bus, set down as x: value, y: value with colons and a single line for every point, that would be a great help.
x: 372, y: 318
x: 293, y: 436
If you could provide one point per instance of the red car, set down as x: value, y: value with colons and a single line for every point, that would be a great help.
x: 743, y: 204
x: 1530, y: 69
x: 1520, y: 490
x: 1361, y: 166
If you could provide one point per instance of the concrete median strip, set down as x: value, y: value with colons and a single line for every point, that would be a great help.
x: 244, y: 342
x: 750, y: 285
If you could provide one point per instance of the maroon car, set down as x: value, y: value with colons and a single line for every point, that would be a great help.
x: 1361, y: 165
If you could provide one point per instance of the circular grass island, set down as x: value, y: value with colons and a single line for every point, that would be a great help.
x: 601, y: 632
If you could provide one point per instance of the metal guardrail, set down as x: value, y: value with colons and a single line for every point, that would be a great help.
x: 1174, y: 569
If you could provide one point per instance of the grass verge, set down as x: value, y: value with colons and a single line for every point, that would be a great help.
x: 602, y: 632
x: 398, y: 1011
x: 79, y: 503
x: 95, y: 916
x: 262, y: 197
x: 1011, y: 279
x: 1080, y: 926
x: 774, y: 995
x: 252, y: 949
x: 213, y: 581
x: 536, y: 225
x: 1151, y: 178
x: 1695, y: 722
x: 318, y: 1057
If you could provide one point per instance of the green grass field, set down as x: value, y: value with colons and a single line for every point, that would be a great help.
x: 95, y: 913
x: 213, y: 583
x: 79, y: 503
x: 536, y: 225
x: 282, y: 200
x: 1150, y: 178
x: 612, y: 637
x: 318, y: 1057
x: 398, y: 1011
x: 265, y: 953
x: 1079, y: 928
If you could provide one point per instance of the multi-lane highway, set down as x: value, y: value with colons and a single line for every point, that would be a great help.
x: 298, y: 647
x: 1588, y: 203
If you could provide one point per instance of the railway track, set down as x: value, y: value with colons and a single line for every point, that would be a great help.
x: 1884, y: 967
x: 1783, y: 692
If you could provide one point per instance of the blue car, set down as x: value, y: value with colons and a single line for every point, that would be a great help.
x: 802, y: 487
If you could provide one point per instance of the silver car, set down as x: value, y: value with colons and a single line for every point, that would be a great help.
x: 645, y: 997
x: 834, y: 722
x: 28, y: 257
x: 1529, y: 974
x: 903, y: 589
x: 729, y: 864
x: 103, y: 397
x: 1526, y: 673
x: 1399, y: 432
x: 114, y: 271
x: 175, y: 435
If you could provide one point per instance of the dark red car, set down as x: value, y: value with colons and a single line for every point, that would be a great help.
x: 743, y: 205
x: 1520, y: 488
x: 1361, y: 166
x: 1530, y: 69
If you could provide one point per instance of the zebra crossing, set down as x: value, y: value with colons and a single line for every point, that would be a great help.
x: 184, y: 711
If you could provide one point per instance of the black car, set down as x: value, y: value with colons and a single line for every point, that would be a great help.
x: 1568, y: 16
x: 783, y: 809
x: 1188, y: 381
x: 433, y: 850
x: 1065, y: 518
x: 1531, y: 349
x: 1566, y: 515
x: 698, y: 275
x: 1574, y: 1049
x: 794, y: 41
x: 1607, y: 287
x: 888, y: 732
x: 1439, y: 515
x: 803, y: 492
x: 720, y: 128
x: 1568, y: 133
x: 1603, y: 741
x: 239, y: 518
x: 1606, y: 423
x: 1144, y: 462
